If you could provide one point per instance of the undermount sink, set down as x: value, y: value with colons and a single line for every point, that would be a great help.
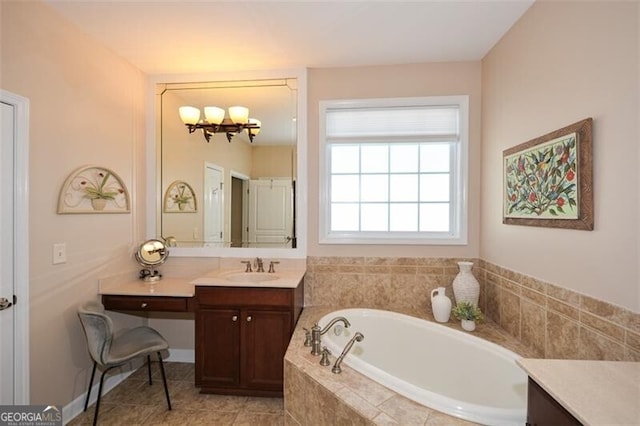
x: 250, y: 277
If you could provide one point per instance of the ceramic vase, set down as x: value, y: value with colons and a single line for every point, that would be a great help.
x: 440, y: 304
x: 465, y: 286
x: 468, y: 325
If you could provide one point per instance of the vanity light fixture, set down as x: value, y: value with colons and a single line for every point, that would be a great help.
x: 216, y: 122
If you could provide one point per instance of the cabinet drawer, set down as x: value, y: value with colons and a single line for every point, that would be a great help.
x: 245, y: 296
x: 145, y: 303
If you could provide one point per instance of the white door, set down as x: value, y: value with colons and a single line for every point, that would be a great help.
x: 6, y: 256
x: 213, y: 203
x: 14, y: 249
x: 271, y: 212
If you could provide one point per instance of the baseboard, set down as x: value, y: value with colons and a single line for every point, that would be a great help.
x: 76, y: 407
x: 181, y: 355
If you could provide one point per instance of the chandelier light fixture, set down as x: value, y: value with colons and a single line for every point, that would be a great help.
x: 216, y: 122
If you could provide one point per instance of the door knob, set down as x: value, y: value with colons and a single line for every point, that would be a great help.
x: 4, y: 303
x: 234, y: 318
x: 249, y: 318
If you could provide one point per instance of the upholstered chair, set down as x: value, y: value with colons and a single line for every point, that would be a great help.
x: 109, y: 352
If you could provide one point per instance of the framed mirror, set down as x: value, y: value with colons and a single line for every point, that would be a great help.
x: 225, y: 195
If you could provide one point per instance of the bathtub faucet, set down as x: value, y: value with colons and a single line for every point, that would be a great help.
x: 358, y: 337
x: 317, y: 332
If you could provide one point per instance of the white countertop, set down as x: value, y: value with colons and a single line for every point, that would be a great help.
x: 594, y: 392
x: 185, y: 287
x: 173, y: 287
x: 285, y: 278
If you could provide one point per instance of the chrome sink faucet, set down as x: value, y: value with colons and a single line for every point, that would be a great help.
x: 317, y: 332
x: 248, y: 263
x: 258, y: 264
x: 272, y: 269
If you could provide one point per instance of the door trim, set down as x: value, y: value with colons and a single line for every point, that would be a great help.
x: 21, y: 244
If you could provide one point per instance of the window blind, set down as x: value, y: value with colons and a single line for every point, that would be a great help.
x: 393, y: 121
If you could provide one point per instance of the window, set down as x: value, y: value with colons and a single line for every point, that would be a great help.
x: 394, y: 171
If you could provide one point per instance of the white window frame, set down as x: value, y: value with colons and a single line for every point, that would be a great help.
x: 459, y: 203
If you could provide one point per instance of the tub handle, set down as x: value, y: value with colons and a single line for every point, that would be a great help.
x: 307, y: 337
x: 324, y: 361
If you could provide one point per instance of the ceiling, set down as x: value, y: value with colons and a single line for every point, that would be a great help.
x: 174, y: 36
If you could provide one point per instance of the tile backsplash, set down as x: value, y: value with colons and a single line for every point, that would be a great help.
x: 553, y: 321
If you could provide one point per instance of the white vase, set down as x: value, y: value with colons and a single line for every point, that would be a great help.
x: 440, y: 304
x: 468, y: 325
x: 465, y: 286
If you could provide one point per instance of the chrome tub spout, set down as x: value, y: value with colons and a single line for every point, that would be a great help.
x: 358, y: 337
x: 317, y: 332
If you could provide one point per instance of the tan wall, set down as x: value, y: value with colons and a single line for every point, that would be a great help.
x: 436, y: 79
x: 86, y: 107
x: 272, y: 161
x: 563, y: 62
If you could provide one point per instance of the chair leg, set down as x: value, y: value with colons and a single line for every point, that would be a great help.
x: 164, y: 380
x: 149, y: 368
x: 93, y: 373
x: 95, y: 416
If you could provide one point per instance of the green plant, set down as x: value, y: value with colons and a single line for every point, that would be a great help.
x: 99, y: 189
x: 467, y: 311
x: 181, y: 197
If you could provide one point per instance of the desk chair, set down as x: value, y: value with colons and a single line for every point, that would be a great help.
x: 110, y: 352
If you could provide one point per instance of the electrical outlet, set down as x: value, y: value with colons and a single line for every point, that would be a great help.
x: 59, y: 253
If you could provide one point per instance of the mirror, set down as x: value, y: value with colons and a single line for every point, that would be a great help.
x: 233, y: 193
x: 151, y: 254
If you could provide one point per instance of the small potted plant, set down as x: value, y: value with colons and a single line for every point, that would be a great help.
x: 99, y: 192
x: 468, y: 313
x: 181, y: 198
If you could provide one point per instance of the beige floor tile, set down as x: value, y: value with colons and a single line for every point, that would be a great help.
x: 134, y: 402
x: 261, y: 419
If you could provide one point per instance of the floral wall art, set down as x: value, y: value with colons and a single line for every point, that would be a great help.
x: 548, y: 180
x: 180, y: 198
x: 93, y: 189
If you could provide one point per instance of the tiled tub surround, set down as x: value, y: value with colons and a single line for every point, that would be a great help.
x: 552, y: 321
x: 313, y: 395
x: 555, y: 322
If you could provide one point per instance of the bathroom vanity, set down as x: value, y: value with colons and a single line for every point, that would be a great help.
x: 243, y: 323
x: 574, y: 392
x: 242, y: 335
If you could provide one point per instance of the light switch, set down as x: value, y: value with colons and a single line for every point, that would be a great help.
x: 59, y: 253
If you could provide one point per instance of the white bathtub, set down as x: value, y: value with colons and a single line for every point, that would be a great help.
x: 445, y: 369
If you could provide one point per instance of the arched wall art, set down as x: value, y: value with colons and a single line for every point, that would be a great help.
x: 93, y: 189
x: 180, y: 198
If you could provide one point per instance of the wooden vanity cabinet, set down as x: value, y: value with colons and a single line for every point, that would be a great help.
x: 543, y: 409
x: 146, y: 303
x: 242, y: 335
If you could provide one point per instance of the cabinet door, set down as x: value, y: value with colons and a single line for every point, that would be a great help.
x: 265, y: 339
x: 542, y: 409
x: 217, y: 347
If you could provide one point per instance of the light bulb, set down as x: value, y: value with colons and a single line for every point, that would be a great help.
x: 189, y: 114
x: 254, y: 131
x: 213, y: 115
x: 239, y: 114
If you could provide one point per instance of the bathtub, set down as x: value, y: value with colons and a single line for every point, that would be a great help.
x: 442, y: 368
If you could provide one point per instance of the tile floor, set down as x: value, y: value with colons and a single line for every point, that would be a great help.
x: 134, y: 402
